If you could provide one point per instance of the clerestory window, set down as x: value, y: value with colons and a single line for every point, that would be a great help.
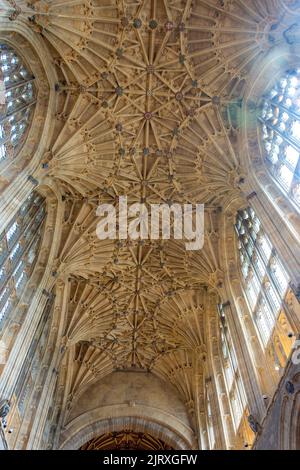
x: 17, y: 101
x: 280, y: 119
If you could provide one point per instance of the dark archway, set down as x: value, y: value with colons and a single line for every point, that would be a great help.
x: 126, y: 440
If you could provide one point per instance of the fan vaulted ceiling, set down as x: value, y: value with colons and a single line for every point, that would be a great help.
x: 148, y: 100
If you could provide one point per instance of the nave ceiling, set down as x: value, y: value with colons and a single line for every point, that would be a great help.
x: 148, y: 106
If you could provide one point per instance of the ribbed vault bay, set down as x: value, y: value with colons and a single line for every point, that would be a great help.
x: 136, y: 117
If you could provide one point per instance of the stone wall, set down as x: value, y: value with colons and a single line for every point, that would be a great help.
x: 131, y: 388
x: 129, y: 399
x: 281, y: 426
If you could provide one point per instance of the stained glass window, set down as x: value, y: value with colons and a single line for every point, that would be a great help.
x: 33, y: 359
x: 17, y: 100
x: 280, y: 118
x: 19, y: 246
x: 265, y: 279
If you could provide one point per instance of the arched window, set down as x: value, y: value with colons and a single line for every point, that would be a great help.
x: 210, y: 424
x: 19, y: 247
x: 265, y: 280
x: 17, y: 100
x: 280, y: 118
x: 233, y: 381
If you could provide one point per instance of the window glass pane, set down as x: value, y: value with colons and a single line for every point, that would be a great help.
x: 5, y: 309
x: 279, y: 275
x: 236, y: 408
x: 252, y: 295
x: 265, y: 280
x: 17, y: 96
x: 280, y: 131
x: 210, y: 423
x: 264, y: 326
x: 234, y: 385
x: 274, y: 303
x: 264, y: 247
x: 229, y: 376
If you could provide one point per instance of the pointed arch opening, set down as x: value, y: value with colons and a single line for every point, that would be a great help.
x: 17, y: 101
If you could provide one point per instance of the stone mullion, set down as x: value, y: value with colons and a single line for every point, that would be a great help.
x: 240, y: 320
x: 35, y: 396
x: 28, y: 269
x: 18, y: 110
x: 288, y: 251
x: 203, y: 433
x: 26, y: 333
x: 39, y: 385
x: 232, y: 290
x: 265, y: 372
x: 13, y: 198
x: 14, y: 176
x: 7, y: 127
x: 61, y: 402
x: 50, y: 381
x: 217, y: 426
x: 285, y: 239
x: 199, y: 407
x: 3, y: 443
x: 210, y: 379
x: 217, y: 421
x: 14, y: 86
x: 199, y: 355
x: 225, y: 407
x: 216, y: 416
x: 45, y: 399
x: 21, y: 346
x: 45, y: 402
x: 23, y: 434
x: 64, y: 365
x: 56, y: 418
x: 10, y: 280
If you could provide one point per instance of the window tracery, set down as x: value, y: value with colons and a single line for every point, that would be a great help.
x: 280, y: 119
x: 17, y: 100
x: 19, y: 247
x: 210, y: 422
x: 266, y: 281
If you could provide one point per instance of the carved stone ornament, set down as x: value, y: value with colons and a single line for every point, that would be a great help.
x: 4, y: 408
x: 254, y: 425
x: 290, y: 388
